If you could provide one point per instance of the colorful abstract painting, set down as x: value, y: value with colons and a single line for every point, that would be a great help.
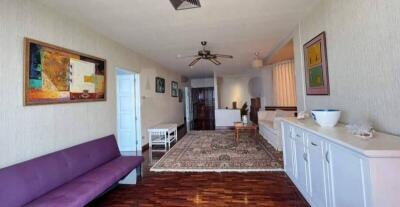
x: 316, y: 66
x: 58, y: 75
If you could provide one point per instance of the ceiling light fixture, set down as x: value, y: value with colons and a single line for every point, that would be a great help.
x: 185, y: 4
x: 257, y: 62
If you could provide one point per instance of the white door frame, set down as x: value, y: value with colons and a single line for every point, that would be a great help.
x: 188, y: 107
x: 137, y: 108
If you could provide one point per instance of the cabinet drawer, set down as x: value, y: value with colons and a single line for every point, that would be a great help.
x: 314, y: 141
x: 296, y: 133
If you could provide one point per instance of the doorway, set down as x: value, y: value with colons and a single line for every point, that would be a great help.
x: 128, y: 112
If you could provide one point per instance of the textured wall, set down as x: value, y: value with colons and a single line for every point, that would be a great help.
x: 363, y: 42
x: 27, y: 132
x: 267, y: 87
x: 239, y: 88
x: 202, y: 82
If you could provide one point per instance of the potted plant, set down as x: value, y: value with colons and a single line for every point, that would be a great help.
x: 243, y: 113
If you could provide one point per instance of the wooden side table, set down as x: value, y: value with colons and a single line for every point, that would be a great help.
x: 240, y: 127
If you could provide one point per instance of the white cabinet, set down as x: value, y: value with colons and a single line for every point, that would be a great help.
x: 347, y: 174
x: 317, y: 168
x: 288, y: 143
x: 300, y: 160
x: 327, y: 174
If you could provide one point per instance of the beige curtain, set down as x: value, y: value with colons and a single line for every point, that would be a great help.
x: 284, y: 83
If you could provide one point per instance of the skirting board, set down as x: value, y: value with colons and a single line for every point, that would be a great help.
x: 224, y: 127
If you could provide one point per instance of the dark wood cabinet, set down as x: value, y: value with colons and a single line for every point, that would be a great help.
x: 254, y: 108
x: 203, y: 109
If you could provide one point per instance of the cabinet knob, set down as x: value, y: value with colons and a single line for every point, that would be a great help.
x: 313, y: 144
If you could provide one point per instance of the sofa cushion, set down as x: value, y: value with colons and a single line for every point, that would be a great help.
x: 87, y: 187
x: 31, y: 179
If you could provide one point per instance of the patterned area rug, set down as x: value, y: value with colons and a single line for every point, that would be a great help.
x: 217, y: 151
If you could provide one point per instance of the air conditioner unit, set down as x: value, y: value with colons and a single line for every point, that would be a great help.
x: 185, y: 4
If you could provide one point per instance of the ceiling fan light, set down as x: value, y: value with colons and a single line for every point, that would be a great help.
x: 257, y: 63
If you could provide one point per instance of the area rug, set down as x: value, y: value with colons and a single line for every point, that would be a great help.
x: 217, y: 151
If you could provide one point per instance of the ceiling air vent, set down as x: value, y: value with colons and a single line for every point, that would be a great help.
x: 185, y: 4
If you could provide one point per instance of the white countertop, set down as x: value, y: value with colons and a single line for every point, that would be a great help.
x: 381, y: 145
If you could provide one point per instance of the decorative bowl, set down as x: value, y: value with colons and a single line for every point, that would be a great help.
x: 326, y: 117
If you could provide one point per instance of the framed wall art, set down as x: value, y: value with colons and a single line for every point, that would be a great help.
x: 174, y: 89
x: 55, y: 75
x: 316, y: 66
x: 160, y: 85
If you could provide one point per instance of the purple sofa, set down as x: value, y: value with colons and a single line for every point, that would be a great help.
x: 70, y: 177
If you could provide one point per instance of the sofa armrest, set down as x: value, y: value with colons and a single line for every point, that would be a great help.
x: 277, y: 124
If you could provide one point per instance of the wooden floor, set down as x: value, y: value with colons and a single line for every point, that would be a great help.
x: 205, y: 189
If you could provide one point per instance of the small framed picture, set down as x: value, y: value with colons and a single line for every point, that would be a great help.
x: 174, y: 89
x: 160, y: 85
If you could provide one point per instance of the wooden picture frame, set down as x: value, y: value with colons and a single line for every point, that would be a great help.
x: 160, y: 85
x: 56, y: 75
x: 316, y: 66
x: 174, y: 89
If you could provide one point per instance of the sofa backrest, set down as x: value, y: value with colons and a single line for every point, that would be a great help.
x: 23, y: 182
x: 266, y: 115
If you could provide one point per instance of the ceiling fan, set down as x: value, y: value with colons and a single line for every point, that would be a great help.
x: 207, y: 55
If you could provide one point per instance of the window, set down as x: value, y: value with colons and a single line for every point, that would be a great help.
x: 284, y: 84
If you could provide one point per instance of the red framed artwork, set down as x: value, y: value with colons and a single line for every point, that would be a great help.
x: 55, y: 75
x: 316, y: 66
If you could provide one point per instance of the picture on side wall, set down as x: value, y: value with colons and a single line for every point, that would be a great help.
x: 57, y: 75
x: 316, y: 66
x: 160, y: 85
x: 174, y: 89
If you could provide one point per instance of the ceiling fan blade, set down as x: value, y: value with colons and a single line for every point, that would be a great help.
x: 223, y: 56
x: 194, y: 61
x: 186, y: 56
x: 215, y: 61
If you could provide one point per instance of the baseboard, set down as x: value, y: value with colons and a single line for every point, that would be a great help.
x: 224, y: 128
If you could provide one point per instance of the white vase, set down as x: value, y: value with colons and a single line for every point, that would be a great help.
x: 244, y: 119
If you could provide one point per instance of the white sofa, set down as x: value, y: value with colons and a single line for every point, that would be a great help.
x: 270, y: 126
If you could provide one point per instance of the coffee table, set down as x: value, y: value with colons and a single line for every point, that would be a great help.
x: 240, y: 127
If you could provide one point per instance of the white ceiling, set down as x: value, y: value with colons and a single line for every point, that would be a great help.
x: 154, y: 29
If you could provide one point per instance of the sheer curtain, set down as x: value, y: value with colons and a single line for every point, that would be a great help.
x: 284, y: 83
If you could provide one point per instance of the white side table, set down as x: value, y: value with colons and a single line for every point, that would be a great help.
x: 162, y: 135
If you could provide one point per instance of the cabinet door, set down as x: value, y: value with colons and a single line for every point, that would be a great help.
x: 300, y: 160
x: 348, y: 175
x: 318, y: 190
x: 288, y: 151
